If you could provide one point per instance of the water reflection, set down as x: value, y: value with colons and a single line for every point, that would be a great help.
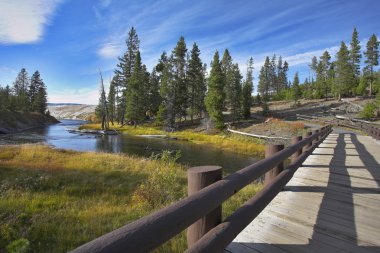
x: 192, y: 154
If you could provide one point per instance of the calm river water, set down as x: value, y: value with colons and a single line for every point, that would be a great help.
x: 58, y: 135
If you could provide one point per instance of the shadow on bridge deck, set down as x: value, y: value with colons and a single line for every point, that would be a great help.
x: 332, y: 204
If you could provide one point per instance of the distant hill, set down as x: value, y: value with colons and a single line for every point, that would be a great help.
x: 61, y: 104
x: 72, y: 111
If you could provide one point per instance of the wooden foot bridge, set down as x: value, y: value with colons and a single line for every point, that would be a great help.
x: 326, y: 200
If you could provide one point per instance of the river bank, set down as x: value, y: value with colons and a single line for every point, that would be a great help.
x: 222, y: 140
x: 55, y: 200
x: 14, y: 122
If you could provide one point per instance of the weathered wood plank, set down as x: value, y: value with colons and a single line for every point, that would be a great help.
x: 332, y: 204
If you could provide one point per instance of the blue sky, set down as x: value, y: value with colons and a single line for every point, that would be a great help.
x: 69, y: 40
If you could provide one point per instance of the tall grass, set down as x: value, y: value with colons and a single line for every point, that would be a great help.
x: 55, y: 200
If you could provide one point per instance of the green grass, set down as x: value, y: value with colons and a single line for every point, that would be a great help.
x: 55, y: 200
x: 223, y: 140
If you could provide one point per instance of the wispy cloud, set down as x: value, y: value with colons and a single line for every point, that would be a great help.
x: 109, y: 50
x: 24, y: 21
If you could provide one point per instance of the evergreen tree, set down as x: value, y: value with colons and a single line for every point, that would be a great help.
x: 125, y: 69
x: 247, y: 90
x: 166, y: 112
x: 40, y: 103
x: 264, y: 80
x: 215, y: 93
x: 180, y: 64
x: 236, y: 93
x: 37, y: 94
x: 5, y: 98
x: 112, y: 100
x: 323, y: 74
x: 372, y: 55
x: 343, y: 71
x: 196, y: 83
x: 273, y: 76
x: 355, y: 54
x: 229, y: 76
x: 135, y: 93
x: 153, y: 93
x: 20, y: 89
x: 296, y: 88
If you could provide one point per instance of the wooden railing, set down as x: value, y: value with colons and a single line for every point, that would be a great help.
x: 201, y: 210
x: 370, y: 128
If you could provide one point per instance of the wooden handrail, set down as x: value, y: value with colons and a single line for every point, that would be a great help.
x: 369, y: 128
x: 148, y: 232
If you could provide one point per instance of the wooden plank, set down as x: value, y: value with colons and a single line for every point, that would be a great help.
x: 343, y: 215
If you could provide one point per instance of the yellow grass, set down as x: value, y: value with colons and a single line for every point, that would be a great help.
x: 55, y: 200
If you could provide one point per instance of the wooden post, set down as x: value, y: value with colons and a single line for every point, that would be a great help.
x: 315, y: 131
x: 295, y: 140
x: 269, y: 151
x: 199, y: 178
x: 307, y: 146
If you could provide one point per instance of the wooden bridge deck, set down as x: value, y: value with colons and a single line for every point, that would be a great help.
x: 332, y: 204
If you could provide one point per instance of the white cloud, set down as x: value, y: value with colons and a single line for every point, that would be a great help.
x: 109, y: 50
x: 80, y: 96
x: 23, y: 21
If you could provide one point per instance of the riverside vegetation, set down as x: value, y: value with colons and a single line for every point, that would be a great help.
x: 55, y: 200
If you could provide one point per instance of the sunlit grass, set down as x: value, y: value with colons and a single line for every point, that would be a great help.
x: 222, y: 140
x: 55, y: 200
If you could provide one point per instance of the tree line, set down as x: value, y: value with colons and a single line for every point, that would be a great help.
x: 177, y: 89
x: 344, y: 77
x: 26, y: 94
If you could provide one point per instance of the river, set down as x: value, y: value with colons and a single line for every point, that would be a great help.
x: 192, y: 154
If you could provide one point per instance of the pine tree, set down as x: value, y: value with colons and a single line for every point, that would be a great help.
x: 247, y: 90
x: 372, y: 55
x: 229, y: 75
x: 323, y: 75
x: 41, y: 99
x: 180, y: 64
x: 296, y: 88
x: 37, y: 94
x: 196, y: 83
x: 125, y: 69
x: 343, y: 71
x: 215, y: 94
x: 153, y: 93
x: 20, y: 89
x: 264, y: 80
x: 134, y: 111
x: 166, y: 113
x: 236, y: 93
x: 273, y: 76
x: 355, y: 54
x: 112, y: 100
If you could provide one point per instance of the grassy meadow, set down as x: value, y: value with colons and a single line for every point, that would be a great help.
x: 55, y: 200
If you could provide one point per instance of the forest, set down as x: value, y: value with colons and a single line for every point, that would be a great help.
x: 26, y: 94
x: 179, y: 87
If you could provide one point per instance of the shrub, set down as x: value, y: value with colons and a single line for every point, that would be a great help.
x: 18, y: 246
x: 369, y: 111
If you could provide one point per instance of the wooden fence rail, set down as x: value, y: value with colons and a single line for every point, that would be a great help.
x: 153, y: 230
x: 370, y: 128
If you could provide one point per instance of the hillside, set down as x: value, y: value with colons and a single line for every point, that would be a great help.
x: 12, y: 122
x: 83, y: 112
